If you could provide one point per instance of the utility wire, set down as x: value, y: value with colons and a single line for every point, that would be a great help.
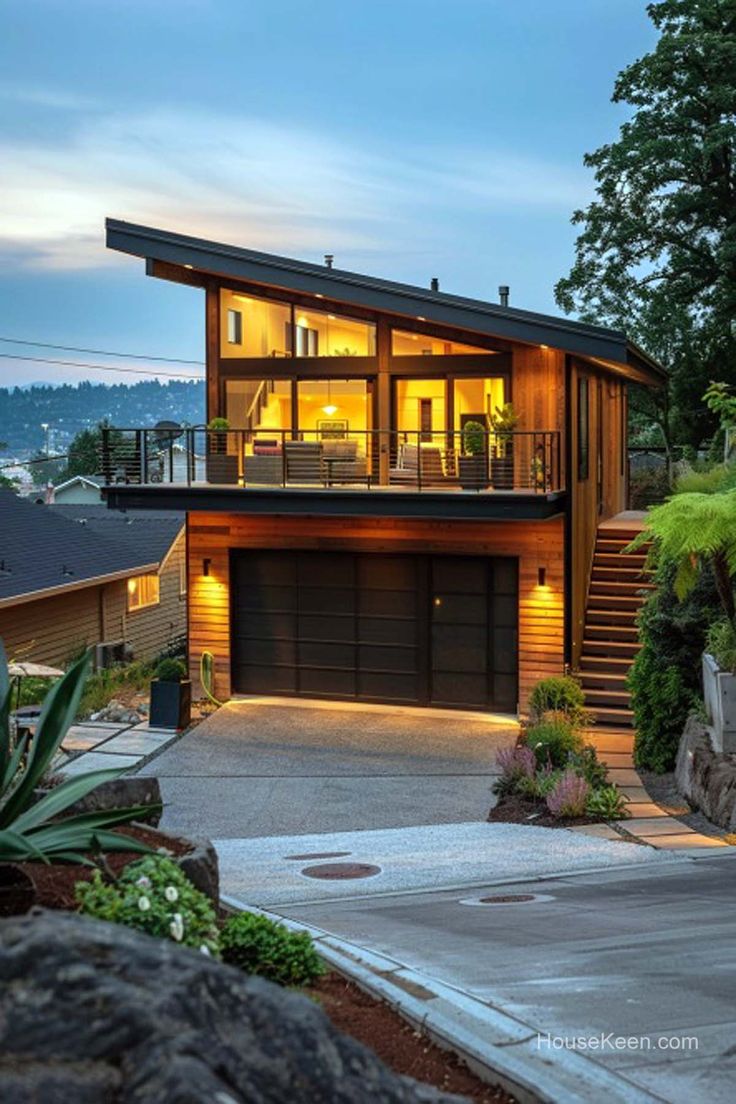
x: 97, y: 352
x: 100, y: 367
x: 38, y: 460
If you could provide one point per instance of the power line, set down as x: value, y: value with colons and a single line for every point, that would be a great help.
x: 99, y: 367
x: 38, y: 460
x: 98, y: 352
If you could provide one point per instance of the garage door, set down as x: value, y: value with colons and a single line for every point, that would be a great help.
x: 438, y: 630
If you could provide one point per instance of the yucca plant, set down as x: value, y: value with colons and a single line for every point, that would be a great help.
x: 691, y: 529
x: 29, y: 828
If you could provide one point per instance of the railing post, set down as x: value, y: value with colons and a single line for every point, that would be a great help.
x: 142, y: 456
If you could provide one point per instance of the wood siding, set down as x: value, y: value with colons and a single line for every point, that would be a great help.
x: 53, y: 630
x: 536, y: 544
x: 602, y: 494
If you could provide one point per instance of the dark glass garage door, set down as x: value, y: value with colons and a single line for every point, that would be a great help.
x: 438, y: 630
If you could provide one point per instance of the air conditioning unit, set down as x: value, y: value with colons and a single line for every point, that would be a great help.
x: 111, y: 652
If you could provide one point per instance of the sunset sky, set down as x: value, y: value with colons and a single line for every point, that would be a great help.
x: 411, y: 138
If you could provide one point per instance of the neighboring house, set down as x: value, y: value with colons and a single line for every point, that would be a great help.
x: 80, y: 489
x: 76, y: 576
x: 353, y: 539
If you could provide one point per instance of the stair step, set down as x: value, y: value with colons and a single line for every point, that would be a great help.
x: 622, y: 586
x: 611, y: 544
x: 590, y: 664
x: 612, y: 558
x: 618, y: 637
x: 603, y: 681
x: 616, y: 696
x: 602, y: 598
x: 618, y: 718
x: 603, y: 615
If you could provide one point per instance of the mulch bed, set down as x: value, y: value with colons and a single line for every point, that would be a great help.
x: 402, y: 1048
x: 55, y: 883
x: 532, y: 811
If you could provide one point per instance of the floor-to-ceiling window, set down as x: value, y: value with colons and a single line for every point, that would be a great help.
x: 420, y: 408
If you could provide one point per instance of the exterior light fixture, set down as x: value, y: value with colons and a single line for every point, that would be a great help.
x: 421, y: 318
x: 189, y: 266
x: 542, y: 576
x: 206, y: 566
x: 329, y: 408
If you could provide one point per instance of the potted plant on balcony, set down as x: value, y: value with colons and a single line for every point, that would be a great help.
x: 503, y: 423
x: 473, y: 462
x: 222, y: 466
x: 171, y: 695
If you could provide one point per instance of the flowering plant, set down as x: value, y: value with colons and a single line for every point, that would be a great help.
x: 569, y: 797
x: 154, y: 896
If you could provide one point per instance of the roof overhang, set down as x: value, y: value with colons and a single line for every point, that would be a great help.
x: 77, y: 584
x: 200, y: 260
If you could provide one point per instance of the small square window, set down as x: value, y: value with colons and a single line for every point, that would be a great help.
x: 143, y: 591
x: 234, y: 327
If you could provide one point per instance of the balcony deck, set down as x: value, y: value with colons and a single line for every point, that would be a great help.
x: 380, y: 473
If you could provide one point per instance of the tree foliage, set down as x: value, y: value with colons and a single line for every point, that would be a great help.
x: 656, y: 254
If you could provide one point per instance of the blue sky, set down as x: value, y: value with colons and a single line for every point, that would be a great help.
x: 410, y: 138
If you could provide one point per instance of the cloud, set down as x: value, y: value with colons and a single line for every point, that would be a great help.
x: 266, y: 185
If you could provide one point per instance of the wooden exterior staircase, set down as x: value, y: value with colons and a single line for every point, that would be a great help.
x: 617, y: 590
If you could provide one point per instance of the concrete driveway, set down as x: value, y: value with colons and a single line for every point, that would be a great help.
x: 277, y: 766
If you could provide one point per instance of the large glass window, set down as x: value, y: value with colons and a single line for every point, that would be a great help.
x: 333, y: 409
x: 420, y: 407
x: 253, y: 327
x: 476, y: 399
x: 257, y: 404
x: 404, y: 343
x: 318, y: 333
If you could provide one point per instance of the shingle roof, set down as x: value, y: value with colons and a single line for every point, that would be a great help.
x: 43, y: 548
x: 147, y: 535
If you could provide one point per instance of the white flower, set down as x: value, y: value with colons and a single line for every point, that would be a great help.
x: 143, y: 881
x: 205, y: 949
x: 176, y: 927
x: 144, y: 904
x: 171, y: 893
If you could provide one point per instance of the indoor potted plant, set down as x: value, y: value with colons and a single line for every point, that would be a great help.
x: 503, y: 422
x: 171, y: 695
x: 222, y: 466
x: 473, y: 462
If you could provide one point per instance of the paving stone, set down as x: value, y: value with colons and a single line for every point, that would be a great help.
x: 618, y: 759
x: 686, y: 841
x: 141, y: 743
x: 600, y: 831
x: 624, y: 776
x: 95, y: 760
x: 654, y: 826
x: 610, y: 741
x: 647, y: 809
x: 80, y: 738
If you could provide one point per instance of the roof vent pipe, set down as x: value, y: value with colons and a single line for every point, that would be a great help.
x: 329, y: 258
x: 503, y: 295
x: 434, y: 284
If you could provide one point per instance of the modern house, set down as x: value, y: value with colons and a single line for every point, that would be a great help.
x: 404, y: 500
x: 80, y: 576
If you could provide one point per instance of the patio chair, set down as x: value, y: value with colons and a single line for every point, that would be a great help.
x: 303, y: 461
x: 342, y: 463
x: 266, y: 465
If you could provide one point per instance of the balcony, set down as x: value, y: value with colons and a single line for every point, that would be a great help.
x: 515, y: 474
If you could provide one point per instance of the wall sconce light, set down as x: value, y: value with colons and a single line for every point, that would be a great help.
x: 542, y: 576
x: 206, y: 566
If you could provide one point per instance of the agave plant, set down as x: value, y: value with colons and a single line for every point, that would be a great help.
x: 30, y: 829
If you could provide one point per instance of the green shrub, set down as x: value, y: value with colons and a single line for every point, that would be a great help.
x: 553, y: 740
x: 665, y: 677
x: 558, y: 694
x: 104, y: 685
x: 708, y: 479
x: 587, y: 764
x: 648, y: 486
x: 720, y: 641
x: 607, y: 802
x: 259, y: 945
x: 171, y: 670
x: 154, y: 896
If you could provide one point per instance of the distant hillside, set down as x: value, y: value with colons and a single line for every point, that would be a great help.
x: 69, y: 408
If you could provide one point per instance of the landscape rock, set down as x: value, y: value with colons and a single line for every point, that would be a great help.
x: 705, y: 777
x: 120, y: 793
x: 93, y: 1012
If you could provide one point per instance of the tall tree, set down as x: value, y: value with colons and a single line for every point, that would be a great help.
x: 657, y: 251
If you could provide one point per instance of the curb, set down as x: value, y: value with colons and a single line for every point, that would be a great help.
x: 499, y: 1048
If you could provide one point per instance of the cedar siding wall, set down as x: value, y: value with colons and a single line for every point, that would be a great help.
x: 603, y: 493
x: 536, y: 544
x: 538, y: 390
x: 53, y: 630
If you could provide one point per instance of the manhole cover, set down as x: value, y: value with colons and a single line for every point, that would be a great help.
x: 317, y: 855
x: 507, y: 899
x: 340, y: 871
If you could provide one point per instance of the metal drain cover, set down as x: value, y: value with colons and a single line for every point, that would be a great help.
x: 340, y: 871
x: 317, y: 855
x: 507, y: 899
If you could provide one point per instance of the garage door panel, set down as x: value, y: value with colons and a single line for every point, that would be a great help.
x: 459, y: 689
x: 264, y: 651
x: 467, y: 609
x: 389, y: 686
x: 268, y: 679
x: 266, y: 568
x: 327, y: 626
x: 460, y: 574
x: 322, y: 653
x: 326, y: 569
x: 314, y: 599
x: 387, y: 573
x: 387, y: 630
x: 388, y: 602
x: 257, y: 598
x: 387, y: 657
x: 327, y: 682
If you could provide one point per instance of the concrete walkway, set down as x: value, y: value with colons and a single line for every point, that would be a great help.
x: 283, y: 767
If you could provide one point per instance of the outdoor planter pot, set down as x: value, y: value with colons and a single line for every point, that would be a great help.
x: 171, y: 704
x: 473, y: 472
x: 222, y: 468
x: 719, y: 693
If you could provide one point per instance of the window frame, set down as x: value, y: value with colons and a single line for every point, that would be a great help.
x: 149, y: 601
x: 583, y: 427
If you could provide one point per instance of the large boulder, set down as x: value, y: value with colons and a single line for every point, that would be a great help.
x: 93, y: 1012
x: 707, y: 778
